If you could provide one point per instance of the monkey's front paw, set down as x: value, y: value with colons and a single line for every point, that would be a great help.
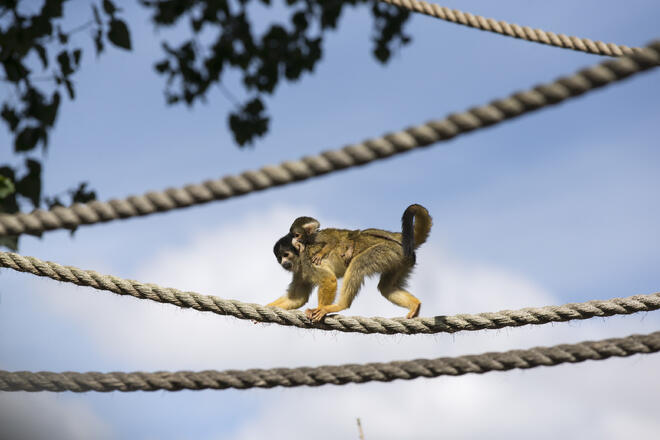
x: 348, y: 254
x: 315, y: 314
x: 316, y: 259
x: 318, y: 314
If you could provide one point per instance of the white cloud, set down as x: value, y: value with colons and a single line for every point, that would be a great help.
x: 33, y: 416
x: 236, y: 261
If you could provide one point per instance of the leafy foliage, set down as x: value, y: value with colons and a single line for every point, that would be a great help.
x: 283, y: 51
x: 32, y: 41
x: 30, y: 117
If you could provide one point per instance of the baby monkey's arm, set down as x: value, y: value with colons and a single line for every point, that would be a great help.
x: 320, y: 255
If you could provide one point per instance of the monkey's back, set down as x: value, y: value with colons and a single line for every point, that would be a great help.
x: 370, y: 237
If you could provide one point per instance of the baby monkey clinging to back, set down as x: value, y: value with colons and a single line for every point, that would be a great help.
x: 319, y: 257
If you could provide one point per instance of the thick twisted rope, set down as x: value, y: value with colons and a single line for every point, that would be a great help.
x: 357, y: 324
x: 336, y: 375
x: 514, y: 30
x: 353, y: 155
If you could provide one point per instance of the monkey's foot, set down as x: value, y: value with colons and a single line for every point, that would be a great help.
x: 414, y: 312
x: 348, y: 254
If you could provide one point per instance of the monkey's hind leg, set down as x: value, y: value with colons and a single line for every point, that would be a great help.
x: 376, y: 259
x: 391, y: 287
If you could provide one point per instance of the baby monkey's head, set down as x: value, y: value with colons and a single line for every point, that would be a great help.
x: 285, y: 252
x: 303, y: 230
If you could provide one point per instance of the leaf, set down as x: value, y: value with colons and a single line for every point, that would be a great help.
x: 8, y: 204
x: 196, y: 24
x: 27, y: 139
x: 299, y: 20
x: 76, y: 56
x: 119, y: 35
x: 61, y: 36
x: 65, y: 63
x: 30, y: 185
x: 52, y: 8
x: 50, y: 110
x: 162, y: 67
x: 109, y: 7
x: 15, y: 69
x: 53, y: 202
x: 69, y: 88
x: 382, y: 53
x: 98, y: 41
x: 42, y: 26
x: 10, y: 116
x: 6, y: 187
x: 43, y: 55
x: 249, y: 122
x: 82, y: 195
x: 97, y: 16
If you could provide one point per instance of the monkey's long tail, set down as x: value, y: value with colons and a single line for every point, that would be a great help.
x: 414, y: 234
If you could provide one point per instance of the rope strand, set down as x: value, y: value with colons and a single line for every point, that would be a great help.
x: 336, y: 375
x: 513, y: 30
x: 356, y: 324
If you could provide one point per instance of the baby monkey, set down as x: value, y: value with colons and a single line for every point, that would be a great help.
x: 353, y: 255
x: 305, y: 232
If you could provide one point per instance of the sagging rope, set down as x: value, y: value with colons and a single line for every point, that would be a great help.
x: 497, y: 111
x: 357, y: 324
x: 336, y: 375
x: 514, y: 30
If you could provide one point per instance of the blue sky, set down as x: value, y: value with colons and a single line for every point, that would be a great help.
x: 554, y: 207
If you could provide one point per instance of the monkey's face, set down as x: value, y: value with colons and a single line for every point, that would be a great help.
x: 285, y: 252
x: 287, y: 259
x: 303, y: 230
x: 298, y: 242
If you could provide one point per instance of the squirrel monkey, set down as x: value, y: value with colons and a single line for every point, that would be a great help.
x: 354, y: 255
x: 306, y: 274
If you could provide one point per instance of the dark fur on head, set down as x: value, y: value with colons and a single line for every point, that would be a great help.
x: 281, y: 249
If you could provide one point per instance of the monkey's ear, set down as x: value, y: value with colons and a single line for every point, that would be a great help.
x: 311, y: 226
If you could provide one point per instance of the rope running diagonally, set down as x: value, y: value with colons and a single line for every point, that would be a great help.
x: 356, y: 324
x: 336, y: 375
x: 333, y: 160
x: 514, y: 30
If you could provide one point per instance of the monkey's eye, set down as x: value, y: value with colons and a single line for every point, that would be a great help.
x: 297, y: 235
